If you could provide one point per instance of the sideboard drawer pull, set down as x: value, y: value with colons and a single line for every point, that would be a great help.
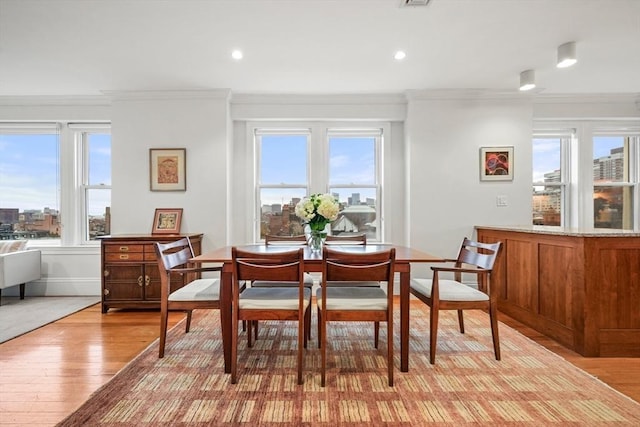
x: 124, y: 256
x: 124, y: 248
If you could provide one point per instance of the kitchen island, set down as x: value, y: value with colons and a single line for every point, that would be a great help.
x: 579, y: 287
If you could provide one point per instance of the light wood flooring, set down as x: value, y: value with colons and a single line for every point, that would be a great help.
x: 46, y: 374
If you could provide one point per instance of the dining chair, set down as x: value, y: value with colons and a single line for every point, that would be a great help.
x: 342, y: 302
x: 276, y: 240
x: 269, y: 303
x: 446, y: 294
x: 199, y: 292
x: 340, y: 239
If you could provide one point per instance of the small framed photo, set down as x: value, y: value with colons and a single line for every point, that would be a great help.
x: 168, y: 169
x: 167, y: 221
x: 496, y: 163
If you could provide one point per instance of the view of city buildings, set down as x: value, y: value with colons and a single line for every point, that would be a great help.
x: 608, y: 201
x: 44, y: 224
x: 356, y: 217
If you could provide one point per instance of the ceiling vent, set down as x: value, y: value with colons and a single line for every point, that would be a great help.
x: 414, y: 3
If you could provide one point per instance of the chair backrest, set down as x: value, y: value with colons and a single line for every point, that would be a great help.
x: 272, y: 239
x: 357, y: 239
x: 344, y: 266
x: 287, y: 266
x: 173, y: 254
x: 481, y: 255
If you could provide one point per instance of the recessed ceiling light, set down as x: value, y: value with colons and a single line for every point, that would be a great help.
x: 236, y: 54
x: 399, y: 55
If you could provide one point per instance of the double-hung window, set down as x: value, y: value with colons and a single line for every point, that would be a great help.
x: 615, y: 179
x: 354, y: 177
x: 294, y: 162
x: 55, y: 182
x: 30, y: 181
x: 94, y: 145
x: 282, y: 179
x: 551, y: 177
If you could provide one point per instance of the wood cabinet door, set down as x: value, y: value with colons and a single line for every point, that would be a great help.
x: 123, y: 282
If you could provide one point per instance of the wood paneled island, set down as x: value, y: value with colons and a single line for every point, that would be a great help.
x: 581, y: 288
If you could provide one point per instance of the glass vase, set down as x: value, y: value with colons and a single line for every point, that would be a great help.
x: 316, y: 239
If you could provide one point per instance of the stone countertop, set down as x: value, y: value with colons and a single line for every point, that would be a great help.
x: 562, y: 231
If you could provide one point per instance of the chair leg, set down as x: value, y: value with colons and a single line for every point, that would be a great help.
x: 255, y: 329
x: 302, y: 341
x: 22, y: 285
x: 164, y: 313
x: 234, y: 347
x: 188, y: 325
x: 433, y: 334
x: 319, y: 328
x: 250, y: 325
x: 493, y: 317
x: 307, y: 325
x: 322, y: 341
x: 390, y: 349
x: 461, y: 321
x: 244, y: 326
x: 376, y: 333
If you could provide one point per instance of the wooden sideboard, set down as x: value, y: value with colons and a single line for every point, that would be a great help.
x: 130, y: 276
x: 581, y: 288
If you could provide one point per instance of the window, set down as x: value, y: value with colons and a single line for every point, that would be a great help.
x: 95, y: 146
x: 283, y: 181
x: 615, y: 181
x: 353, y: 178
x: 52, y: 171
x: 29, y: 182
x: 293, y: 163
x: 550, y: 178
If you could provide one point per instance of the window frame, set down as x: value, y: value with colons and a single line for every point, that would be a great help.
x: 81, y: 134
x: 567, y: 139
x: 632, y: 136
x: 318, y: 169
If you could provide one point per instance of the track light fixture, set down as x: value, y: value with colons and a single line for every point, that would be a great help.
x: 567, y: 55
x: 527, y: 80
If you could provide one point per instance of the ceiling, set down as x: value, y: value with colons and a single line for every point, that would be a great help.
x: 85, y: 47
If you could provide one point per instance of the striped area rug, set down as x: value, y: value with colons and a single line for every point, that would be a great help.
x: 530, y: 386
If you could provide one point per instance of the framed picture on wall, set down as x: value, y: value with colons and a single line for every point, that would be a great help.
x: 167, y: 221
x: 496, y: 163
x: 168, y: 169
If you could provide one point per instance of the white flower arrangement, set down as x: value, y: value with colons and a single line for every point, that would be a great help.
x: 318, y: 210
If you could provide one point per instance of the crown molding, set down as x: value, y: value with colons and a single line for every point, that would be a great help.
x: 589, y: 98
x: 55, y: 100
x: 144, y: 95
x: 318, y: 99
x: 466, y: 94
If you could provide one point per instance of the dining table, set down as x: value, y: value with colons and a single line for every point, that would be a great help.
x: 313, y: 263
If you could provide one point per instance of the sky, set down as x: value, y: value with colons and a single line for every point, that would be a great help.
x: 546, y: 153
x: 284, y: 161
x: 29, y: 176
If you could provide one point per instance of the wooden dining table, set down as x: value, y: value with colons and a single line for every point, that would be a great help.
x: 313, y: 263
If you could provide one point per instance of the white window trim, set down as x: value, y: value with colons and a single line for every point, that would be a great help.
x: 318, y: 181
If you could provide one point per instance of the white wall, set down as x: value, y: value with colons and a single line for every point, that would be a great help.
x: 446, y: 198
x: 197, y: 121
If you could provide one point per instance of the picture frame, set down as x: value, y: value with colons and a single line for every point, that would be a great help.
x: 496, y: 163
x: 167, y: 221
x: 168, y: 169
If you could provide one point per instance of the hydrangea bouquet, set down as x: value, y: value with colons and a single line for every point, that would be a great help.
x: 317, y: 211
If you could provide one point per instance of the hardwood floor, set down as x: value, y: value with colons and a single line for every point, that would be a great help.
x: 46, y: 374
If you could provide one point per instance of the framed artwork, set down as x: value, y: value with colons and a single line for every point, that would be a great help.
x: 496, y: 163
x: 167, y: 221
x: 168, y: 169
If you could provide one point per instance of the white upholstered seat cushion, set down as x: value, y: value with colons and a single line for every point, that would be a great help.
x: 354, y: 298
x: 450, y: 290
x: 198, y: 290
x: 355, y: 284
x: 283, y: 298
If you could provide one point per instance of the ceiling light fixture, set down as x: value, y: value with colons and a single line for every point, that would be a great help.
x: 567, y: 55
x: 399, y: 55
x: 527, y: 80
x: 236, y: 54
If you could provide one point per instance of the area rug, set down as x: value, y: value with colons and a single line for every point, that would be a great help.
x: 17, y: 317
x: 530, y: 386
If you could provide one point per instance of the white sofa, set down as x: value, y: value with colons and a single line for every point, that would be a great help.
x: 18, y: 265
